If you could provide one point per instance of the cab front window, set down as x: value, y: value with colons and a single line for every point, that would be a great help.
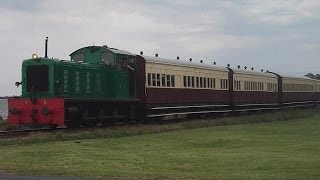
x: 37, y: 78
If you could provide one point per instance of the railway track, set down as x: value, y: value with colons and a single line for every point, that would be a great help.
x: 25, y: 132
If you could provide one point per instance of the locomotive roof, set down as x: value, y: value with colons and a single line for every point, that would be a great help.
x: 114, y: 50
x: 119, y: 51
x: 158, y: 60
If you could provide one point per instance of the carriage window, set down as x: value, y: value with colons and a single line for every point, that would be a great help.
x: 153, y: 79
x: 184, y: 81
x: 224, y: 84
x: 78, y: 57
x: 192, y: 81
x: 107, y: 58
x: 172, y: 81
x: 149, y: 79
x: 163, y: 80
x: 237, y: 85
x: 259, y: 86
x: 189, y: 81
x: 168, y: 81
x: 158, y: 79
x: 227, y: 84
x: 197, y: 82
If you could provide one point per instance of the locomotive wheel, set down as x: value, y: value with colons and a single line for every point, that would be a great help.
x: 72, y: 123
x: 53, y: 126
x: 72, y: 117
x: 88, y: 124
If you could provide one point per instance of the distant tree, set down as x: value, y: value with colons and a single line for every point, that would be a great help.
x: 310, y: 75
x: 313, y: 76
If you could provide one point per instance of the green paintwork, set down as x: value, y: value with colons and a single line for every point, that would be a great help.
x: 40, y: 61
x: 95, y: 78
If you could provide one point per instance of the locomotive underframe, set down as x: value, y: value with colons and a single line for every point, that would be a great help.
x: 72, y: 112
x: 88, y: 112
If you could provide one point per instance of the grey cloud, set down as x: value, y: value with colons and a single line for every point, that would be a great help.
x: 20, y: 5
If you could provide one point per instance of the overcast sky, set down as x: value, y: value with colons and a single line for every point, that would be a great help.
x: 281, y: 36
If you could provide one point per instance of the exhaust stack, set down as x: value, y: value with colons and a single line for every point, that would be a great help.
x: 46, y: 48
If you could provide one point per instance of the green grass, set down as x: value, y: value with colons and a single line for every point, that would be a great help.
x: 275, y: 150
x: 140, y: 129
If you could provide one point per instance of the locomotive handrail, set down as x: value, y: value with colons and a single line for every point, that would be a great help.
x: 301, y: 102
x: 192, y: 112
x: 241, y: 105
x: 181, y: 107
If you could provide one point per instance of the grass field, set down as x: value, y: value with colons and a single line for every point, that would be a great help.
x: 274, y: 150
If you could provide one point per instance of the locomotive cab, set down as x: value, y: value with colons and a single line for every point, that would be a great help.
x: 118, y: 65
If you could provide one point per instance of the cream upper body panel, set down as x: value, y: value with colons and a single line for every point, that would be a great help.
x: 186, y: 74
x: 298, y: 84
x: 246, y: 80
x: 317, y: 86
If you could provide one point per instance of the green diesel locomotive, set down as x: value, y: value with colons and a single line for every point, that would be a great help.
x: 97, y: 85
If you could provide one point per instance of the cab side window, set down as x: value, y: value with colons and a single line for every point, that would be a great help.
x: 122, y: 64
x: 107, y: 58
x: 78, y: 57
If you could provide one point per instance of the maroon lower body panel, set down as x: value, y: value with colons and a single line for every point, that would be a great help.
x: 179, y: 103
x: 186, y: 96
x: 317, y: 96
x: 298, y: 96
x: 255, y: 97
x: 165, y: 101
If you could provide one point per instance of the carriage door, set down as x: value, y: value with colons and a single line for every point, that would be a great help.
x: 131, y: 68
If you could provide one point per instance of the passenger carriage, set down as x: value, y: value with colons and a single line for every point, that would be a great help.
x: 298, y: 91
x: 255, y: 90
x: 179, y: 88
x: 317, y: 91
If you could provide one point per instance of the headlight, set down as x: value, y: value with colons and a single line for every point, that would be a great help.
x: 34, y: 56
